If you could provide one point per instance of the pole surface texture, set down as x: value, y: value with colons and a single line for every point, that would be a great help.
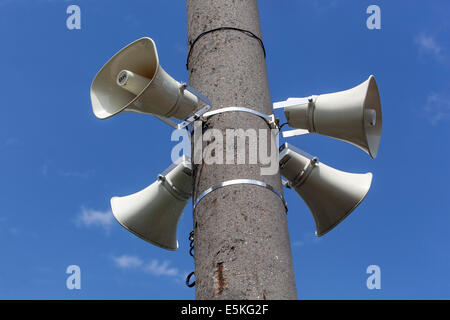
x: 242, y: 247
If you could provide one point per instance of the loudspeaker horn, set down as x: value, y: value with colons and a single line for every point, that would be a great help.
x: 152, y: 213
x: 352, y: 115
x: 133, y: 80
x: 330, y: 194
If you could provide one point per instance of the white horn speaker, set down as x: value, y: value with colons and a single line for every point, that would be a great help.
x: 352, y: 115
x: 330, y: 194
x: 133, y: 80
x: 152, y: 213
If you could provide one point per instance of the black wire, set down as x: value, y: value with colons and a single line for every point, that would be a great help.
x: 282, y: 126
x: 188, y: 279
x: 249, y: 33
x: 191, y: 244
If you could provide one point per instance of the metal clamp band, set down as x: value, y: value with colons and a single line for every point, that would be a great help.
x: 311, y: 108
x: 300, y: 179
x: 169, y: 186
x: 239, y: 181
x: 270, y: 119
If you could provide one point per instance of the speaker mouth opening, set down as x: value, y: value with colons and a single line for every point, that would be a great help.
x: 372, y: 118
x: 140, y: 57
x: 334, y: 225
x: 139, y: 235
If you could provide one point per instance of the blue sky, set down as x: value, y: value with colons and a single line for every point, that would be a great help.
x: 59, y: 165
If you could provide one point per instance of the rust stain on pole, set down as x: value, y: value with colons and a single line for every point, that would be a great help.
x: 221, y: 284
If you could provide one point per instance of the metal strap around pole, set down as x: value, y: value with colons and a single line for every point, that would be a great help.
x: 270, y: 119
x: 237, y: 182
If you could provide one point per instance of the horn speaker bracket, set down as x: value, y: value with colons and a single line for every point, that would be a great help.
x: 310, y: 114
x: 303, y: 174
x: 177, y: 193
x: 193, y: 117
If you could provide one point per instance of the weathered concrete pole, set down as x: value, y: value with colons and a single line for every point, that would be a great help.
x: 242, y: 248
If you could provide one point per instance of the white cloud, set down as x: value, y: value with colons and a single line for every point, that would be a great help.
x: 428, y: 45
x: 45, y: 171
x: 75, y: 174
x: 125, y: 261
x: 307, y: 238
x: 298, y: 243
x: 154, y: 267
x: 437, y: 107
x: 11, y: 141
x: 89, y: 217
x: 162, y: 269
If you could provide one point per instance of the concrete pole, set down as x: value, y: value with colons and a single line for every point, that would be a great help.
x: 242, y: 247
